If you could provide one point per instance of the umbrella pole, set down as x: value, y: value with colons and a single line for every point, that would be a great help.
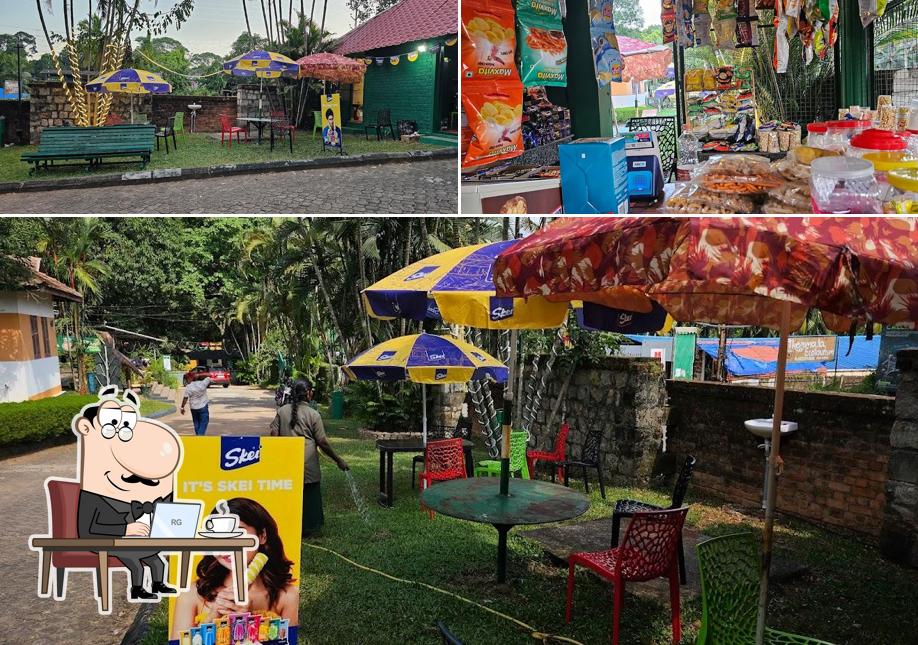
x: 507, y: 420
x: 424, y: 415
x: 132, y: 109
x: 773, y: 461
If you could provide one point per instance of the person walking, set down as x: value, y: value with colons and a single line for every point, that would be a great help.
x: 299, y: 419
x: 196, y: 397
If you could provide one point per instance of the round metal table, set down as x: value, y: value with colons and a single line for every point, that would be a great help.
x: 530, y: 502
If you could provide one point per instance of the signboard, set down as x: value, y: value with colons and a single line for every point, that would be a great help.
x: 11, y: 88
x: 91, y: 344
x: 891, y: 341
x: 261, y: 481
x: 684, y: 352
x: 802, y: 349
x: 331, y: 121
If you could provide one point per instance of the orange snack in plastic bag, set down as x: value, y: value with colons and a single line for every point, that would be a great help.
x: 488, y: 40
x: 495, y: 115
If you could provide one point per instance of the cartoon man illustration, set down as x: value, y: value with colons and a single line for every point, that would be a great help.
x: 331, y: 133
x: 127, y: 464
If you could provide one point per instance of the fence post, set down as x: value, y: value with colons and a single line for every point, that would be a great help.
x: 854, y: 57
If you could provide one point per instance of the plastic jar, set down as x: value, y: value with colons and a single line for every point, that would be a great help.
x: 839, y: 133
x: 875, y: 140
x: 816, y: 134
x: 883, y: 164
x: 904, y: 200
x: 843, y: 185
x: 911, y: 140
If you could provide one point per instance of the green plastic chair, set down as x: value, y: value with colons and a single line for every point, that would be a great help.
x: 491, y: 467
x: 316, y: 123
x: 178, y: 124
x: 730, y: 567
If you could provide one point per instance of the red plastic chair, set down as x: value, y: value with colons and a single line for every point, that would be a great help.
x: 557, y: 455
x: 649, y: 550
x: 227, y: 128
x: 443, y: 460
x: 280, y: 123
x: 64, y: 498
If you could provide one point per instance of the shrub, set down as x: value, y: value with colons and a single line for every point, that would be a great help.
x: 158, y: 373
x: 399, y: 410
x: 35, y: 421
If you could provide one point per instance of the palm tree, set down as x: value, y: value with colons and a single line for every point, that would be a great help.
x: 72, y: 247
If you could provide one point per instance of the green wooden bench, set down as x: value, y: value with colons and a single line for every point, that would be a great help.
x: 92, y: 145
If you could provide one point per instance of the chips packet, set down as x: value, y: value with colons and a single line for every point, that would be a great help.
x: 607, y: 58
x: 488, y: 40
x: 725, y: 23
x: 495, y: 115
x: 668, y: 19
x: 543, y: 47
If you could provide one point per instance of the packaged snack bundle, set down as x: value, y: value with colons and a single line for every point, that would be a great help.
x: 253, y: 626
x: 185, y: 638
x: 702, y: 23
x: 694, y: 79
x: 747, y: 34
x: 685, y: 30
x: 209, y: 631
x: 691, y: 198
x: 607, y: 59
x: 543, y: 48
x: 739, y: 175
x: 197, y: 636
x: 725, y: 23
x: 488, y: 39
x: 495, y: 114
x: 668, y: 19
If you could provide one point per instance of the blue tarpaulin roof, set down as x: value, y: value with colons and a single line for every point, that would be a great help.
x: 750, y: 356
x: 12, y: 96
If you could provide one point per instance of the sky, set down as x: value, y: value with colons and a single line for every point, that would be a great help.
x: 214, y: 24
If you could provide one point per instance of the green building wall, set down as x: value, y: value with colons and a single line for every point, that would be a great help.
x: 408, y: 89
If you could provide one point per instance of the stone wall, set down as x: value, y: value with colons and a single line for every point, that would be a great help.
x: 208, y: 117
x: 247, y: 100
x: 625, y: 399
x: 51, y: 108
x: 445, y: 404
x: 835, y: 465
x: 10, y: 110
x: 899, y: 536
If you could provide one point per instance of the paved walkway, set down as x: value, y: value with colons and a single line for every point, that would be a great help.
x: 236, y: 410
x: 26, y: 618
x: 423, y: 187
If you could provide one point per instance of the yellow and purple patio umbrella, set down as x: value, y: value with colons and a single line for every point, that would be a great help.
x: 129, y: 81
x: 427, y: 359
x: 261, y: 64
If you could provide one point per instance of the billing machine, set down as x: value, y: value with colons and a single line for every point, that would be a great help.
x: 645, y: 170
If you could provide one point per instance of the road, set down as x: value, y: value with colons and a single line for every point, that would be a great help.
x: 236, y: 410
x: 422, y: 187
x: 26, y: 618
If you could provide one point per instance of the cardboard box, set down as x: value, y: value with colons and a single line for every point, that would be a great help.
x: 594, y: 176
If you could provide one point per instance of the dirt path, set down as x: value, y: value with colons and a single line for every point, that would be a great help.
x: 236, y: 410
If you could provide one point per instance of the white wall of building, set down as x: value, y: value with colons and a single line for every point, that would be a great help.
x: 28, y: 303
x: 21, y: 380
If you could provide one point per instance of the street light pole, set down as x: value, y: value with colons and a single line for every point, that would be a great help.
x: 18, y: 89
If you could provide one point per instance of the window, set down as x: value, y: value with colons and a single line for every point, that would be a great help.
x: 36, y: 347
x: 46, y: 335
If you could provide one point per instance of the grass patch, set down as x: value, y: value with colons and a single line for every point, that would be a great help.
x: 625, y: 113
x: 850, y: 592
x: 151, y: 406
x: 202, y: 150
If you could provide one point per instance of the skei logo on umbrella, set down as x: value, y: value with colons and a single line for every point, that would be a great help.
x: 436, y: 356
x: 433, y: 311
x: 385, y: 356
x: 439, y: 374
x: 420, y: 273
x: 501, y: 308
x: 478, y: 356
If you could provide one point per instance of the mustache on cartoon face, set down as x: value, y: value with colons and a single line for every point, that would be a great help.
x: 137, y: 479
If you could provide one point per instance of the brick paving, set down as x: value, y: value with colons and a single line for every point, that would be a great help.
x: 422, y: 187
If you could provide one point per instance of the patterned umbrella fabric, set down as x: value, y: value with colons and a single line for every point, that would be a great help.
x: 425, y: 358
x: 263, y: 64
x: 129, y: 81
x: 727, y: 270
x: 331, y: 67
x: 750, y: 271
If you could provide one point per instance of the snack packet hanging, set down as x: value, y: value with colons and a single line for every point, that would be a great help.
x: 668, y: 19
x: 607, y: 59
x: 725, y: 23
x: 543, y: 48
x: 488, y: 40
x: 495, y: 115
x: 685, y: 29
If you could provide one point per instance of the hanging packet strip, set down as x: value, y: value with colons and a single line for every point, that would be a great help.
x: 495, y: 115
x: 488, y: 40
x: 725, y: 23
x: 607, y: 59
x: 685, y: 30
x: 668, y: 19
x: 702, y: 23
x: 543, y: 48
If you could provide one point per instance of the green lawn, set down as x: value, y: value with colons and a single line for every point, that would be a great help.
x: 851, y: 595
x: 201, y: 150
x: 151, y: 406
x: 625, y: 113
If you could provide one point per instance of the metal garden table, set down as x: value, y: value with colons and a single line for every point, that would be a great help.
x: 388, y: 447
x: 529, y: 502
x: 259, y: 122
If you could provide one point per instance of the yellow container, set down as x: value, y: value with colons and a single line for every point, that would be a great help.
x: 905, y: 184
x: 883, y: 164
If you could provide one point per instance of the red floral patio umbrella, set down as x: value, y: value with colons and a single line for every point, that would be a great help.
x: 331, y: 67
x: 751, y: 271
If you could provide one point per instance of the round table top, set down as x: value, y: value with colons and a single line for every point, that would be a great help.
x: 409, y: 445
x: 530, y: 501
x: 256, y: 119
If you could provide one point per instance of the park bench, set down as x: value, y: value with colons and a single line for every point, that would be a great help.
x: 92, y: 145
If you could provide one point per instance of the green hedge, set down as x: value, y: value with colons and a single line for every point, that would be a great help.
x: 35, y: 421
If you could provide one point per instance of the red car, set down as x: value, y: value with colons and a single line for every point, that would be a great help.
x: 217, y: 375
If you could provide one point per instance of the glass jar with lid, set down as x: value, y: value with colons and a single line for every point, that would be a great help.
x: 839, y: 133
x: 875, y: 140
x: 843, y: 185
x: 816, y: 134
